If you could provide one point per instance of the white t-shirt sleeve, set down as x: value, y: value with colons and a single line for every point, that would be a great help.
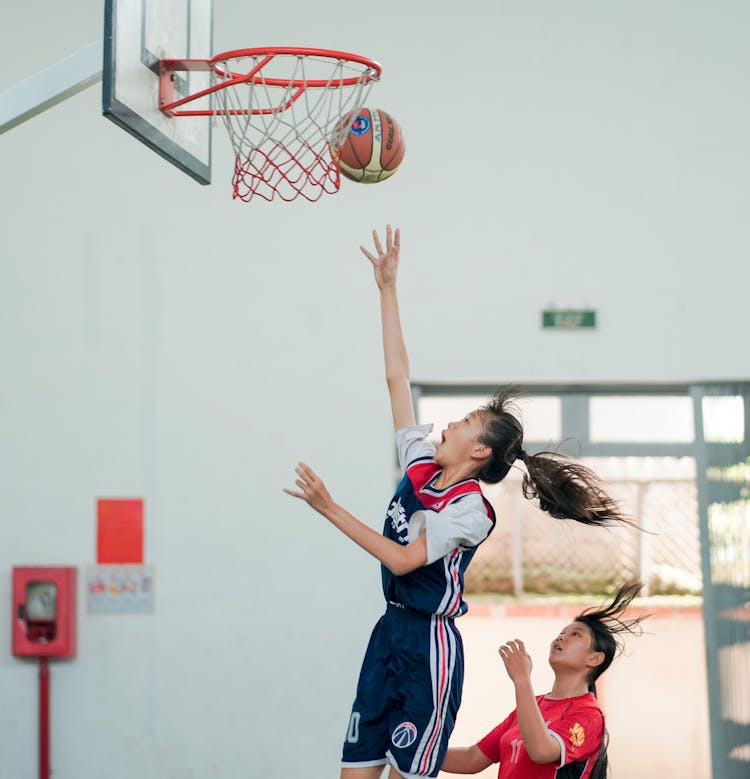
x: 464, y: 524
x: 412, y: 444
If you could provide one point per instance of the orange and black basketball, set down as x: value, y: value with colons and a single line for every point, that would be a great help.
x: 373, y: 148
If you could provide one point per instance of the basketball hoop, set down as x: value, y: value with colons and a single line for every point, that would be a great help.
x: 287, y: 111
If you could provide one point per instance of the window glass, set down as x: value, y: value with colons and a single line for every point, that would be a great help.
x: 724, y: 419
x: 540, y: 414
x: 641, y: 419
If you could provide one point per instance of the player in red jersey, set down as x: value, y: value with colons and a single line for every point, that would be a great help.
x: 560, y: 735
x: 410, y: 683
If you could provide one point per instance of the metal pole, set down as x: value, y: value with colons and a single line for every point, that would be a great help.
x: 644, y: 544
x: 43, y: 718
x: 51, y: 86
x: 517, y: 547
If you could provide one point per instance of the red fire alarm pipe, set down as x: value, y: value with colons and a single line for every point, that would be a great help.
x: 43, y: 719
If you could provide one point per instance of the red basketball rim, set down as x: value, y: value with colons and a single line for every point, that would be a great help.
x: 267, y: 54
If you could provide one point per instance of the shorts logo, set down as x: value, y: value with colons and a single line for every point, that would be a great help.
x: 404, y: 735
x: 360, y: 125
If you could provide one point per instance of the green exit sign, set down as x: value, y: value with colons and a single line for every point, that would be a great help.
x: 569, y: 319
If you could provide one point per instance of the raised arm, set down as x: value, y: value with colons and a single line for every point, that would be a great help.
x: 385, y: 267
x: 541, y: 747
x: 399, y: 559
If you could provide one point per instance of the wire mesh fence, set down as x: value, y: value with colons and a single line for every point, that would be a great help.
x: 530, y: 552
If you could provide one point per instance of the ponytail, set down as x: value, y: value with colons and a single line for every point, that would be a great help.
x: 565, y: 489
x: 569, y: 490
x: 601, y: 766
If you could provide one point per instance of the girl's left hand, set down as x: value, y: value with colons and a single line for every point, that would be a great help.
x: 517, y: 662
x: 311, y: 489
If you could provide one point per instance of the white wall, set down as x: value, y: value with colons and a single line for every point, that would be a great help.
x: 160, y: 340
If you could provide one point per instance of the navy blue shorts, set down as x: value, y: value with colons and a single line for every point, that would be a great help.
x: 408, y: 694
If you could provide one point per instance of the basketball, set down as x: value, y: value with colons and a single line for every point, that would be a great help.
x: 373, y: 148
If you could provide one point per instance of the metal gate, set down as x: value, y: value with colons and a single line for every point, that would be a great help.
x: 722, y: 414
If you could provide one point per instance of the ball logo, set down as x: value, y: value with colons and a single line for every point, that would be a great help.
x: 404, y: 735
x: 360, y: 125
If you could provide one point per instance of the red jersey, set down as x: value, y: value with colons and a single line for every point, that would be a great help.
x: 576, y: 723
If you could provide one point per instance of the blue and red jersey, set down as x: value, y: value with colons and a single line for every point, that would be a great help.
x: 455, y: 520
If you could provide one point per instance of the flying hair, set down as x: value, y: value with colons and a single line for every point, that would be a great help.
x: 564, y: 488
x: 610, y: 617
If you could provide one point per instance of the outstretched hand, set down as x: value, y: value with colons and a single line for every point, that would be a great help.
x: 517, y: 662
x: 311, y: 489
x: 385, y: 265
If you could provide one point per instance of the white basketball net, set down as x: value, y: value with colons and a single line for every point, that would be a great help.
x: 287, y: 116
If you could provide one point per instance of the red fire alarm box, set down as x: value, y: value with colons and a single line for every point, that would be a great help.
x: 44, y: 612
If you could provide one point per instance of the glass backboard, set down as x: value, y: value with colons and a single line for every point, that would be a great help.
x: 137, y: 34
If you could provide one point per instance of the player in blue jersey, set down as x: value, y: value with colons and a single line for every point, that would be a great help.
x: 409, y: 688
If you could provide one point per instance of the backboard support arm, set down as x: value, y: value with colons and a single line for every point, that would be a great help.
x: 53, y: 85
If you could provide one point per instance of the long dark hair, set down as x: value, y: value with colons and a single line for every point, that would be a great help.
x: 565, y: 489
x: 607, y: 626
